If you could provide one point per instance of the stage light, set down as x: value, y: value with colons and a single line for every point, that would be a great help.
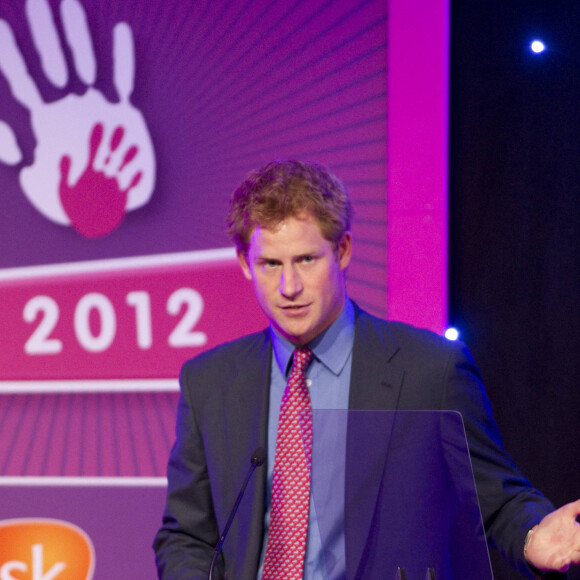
x: 452, y: 334
x: 538, y: 46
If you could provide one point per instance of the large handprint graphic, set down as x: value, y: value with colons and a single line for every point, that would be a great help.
x: 94, y: 159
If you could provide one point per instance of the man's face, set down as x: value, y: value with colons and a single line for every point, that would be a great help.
x: 298, y: 276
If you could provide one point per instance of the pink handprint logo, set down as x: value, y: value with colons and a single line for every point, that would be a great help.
x: 94, y: 159
x: 95, y: 204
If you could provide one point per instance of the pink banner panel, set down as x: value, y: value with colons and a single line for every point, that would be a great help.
x: 417, y: 160
x: 125, y: 319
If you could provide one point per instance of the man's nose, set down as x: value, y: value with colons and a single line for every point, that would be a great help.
x: 290, y: 282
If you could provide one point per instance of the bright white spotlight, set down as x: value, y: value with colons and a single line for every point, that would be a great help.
x: 538, y: 46
x: 452, y: 334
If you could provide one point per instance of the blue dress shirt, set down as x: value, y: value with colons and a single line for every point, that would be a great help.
x: 328, y: 378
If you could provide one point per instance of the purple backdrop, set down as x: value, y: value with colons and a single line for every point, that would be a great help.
x: 124, y: 127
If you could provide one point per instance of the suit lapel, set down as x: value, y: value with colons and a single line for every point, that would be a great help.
x: 247, y: 429
x: 376, y: 379
x: 376, y: 382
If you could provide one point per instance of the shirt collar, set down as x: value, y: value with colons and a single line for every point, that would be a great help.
x: 332, y: 348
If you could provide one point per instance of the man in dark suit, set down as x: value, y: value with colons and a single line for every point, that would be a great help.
x: 290, y: 222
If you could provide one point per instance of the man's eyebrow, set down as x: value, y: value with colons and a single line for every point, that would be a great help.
x: 264, y: 258
x: 306, y: 254
x: 309, y: 254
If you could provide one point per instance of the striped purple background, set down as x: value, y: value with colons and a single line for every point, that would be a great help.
x: 80, y: 434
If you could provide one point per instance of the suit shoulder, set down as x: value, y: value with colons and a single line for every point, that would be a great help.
x: 403, y: 336
x: 406, y: 332
x: 398, y: 330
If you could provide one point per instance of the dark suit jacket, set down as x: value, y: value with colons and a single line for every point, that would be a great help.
x: 223, y: 417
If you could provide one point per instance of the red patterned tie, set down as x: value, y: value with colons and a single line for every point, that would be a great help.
x: 286, y: 546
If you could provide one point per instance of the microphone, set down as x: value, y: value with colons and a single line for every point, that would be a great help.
x: 257, y: 459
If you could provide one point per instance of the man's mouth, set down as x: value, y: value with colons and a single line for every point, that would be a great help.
x: 293, y: 307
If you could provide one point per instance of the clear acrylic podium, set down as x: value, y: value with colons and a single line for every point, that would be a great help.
x: 401, y: 487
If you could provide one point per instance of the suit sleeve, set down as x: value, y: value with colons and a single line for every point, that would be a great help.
x: 509, y: 504
x: 185, y: 542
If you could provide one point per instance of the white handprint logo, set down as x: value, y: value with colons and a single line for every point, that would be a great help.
x: 94, y: 159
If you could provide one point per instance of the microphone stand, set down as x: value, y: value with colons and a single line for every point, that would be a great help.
x: 257, y: 459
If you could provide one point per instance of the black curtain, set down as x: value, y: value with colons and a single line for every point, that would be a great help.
x: 514, y: 215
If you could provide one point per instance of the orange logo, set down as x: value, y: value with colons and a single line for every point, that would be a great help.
x: 44, y: 549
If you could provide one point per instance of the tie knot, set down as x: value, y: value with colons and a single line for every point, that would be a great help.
x: 301, y: 358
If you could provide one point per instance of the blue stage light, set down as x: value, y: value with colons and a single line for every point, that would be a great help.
x: 538, y: 46
x: 452, y: 334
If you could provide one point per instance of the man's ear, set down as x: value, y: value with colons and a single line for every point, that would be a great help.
x: 244, y: 264
x: 344, y: 252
